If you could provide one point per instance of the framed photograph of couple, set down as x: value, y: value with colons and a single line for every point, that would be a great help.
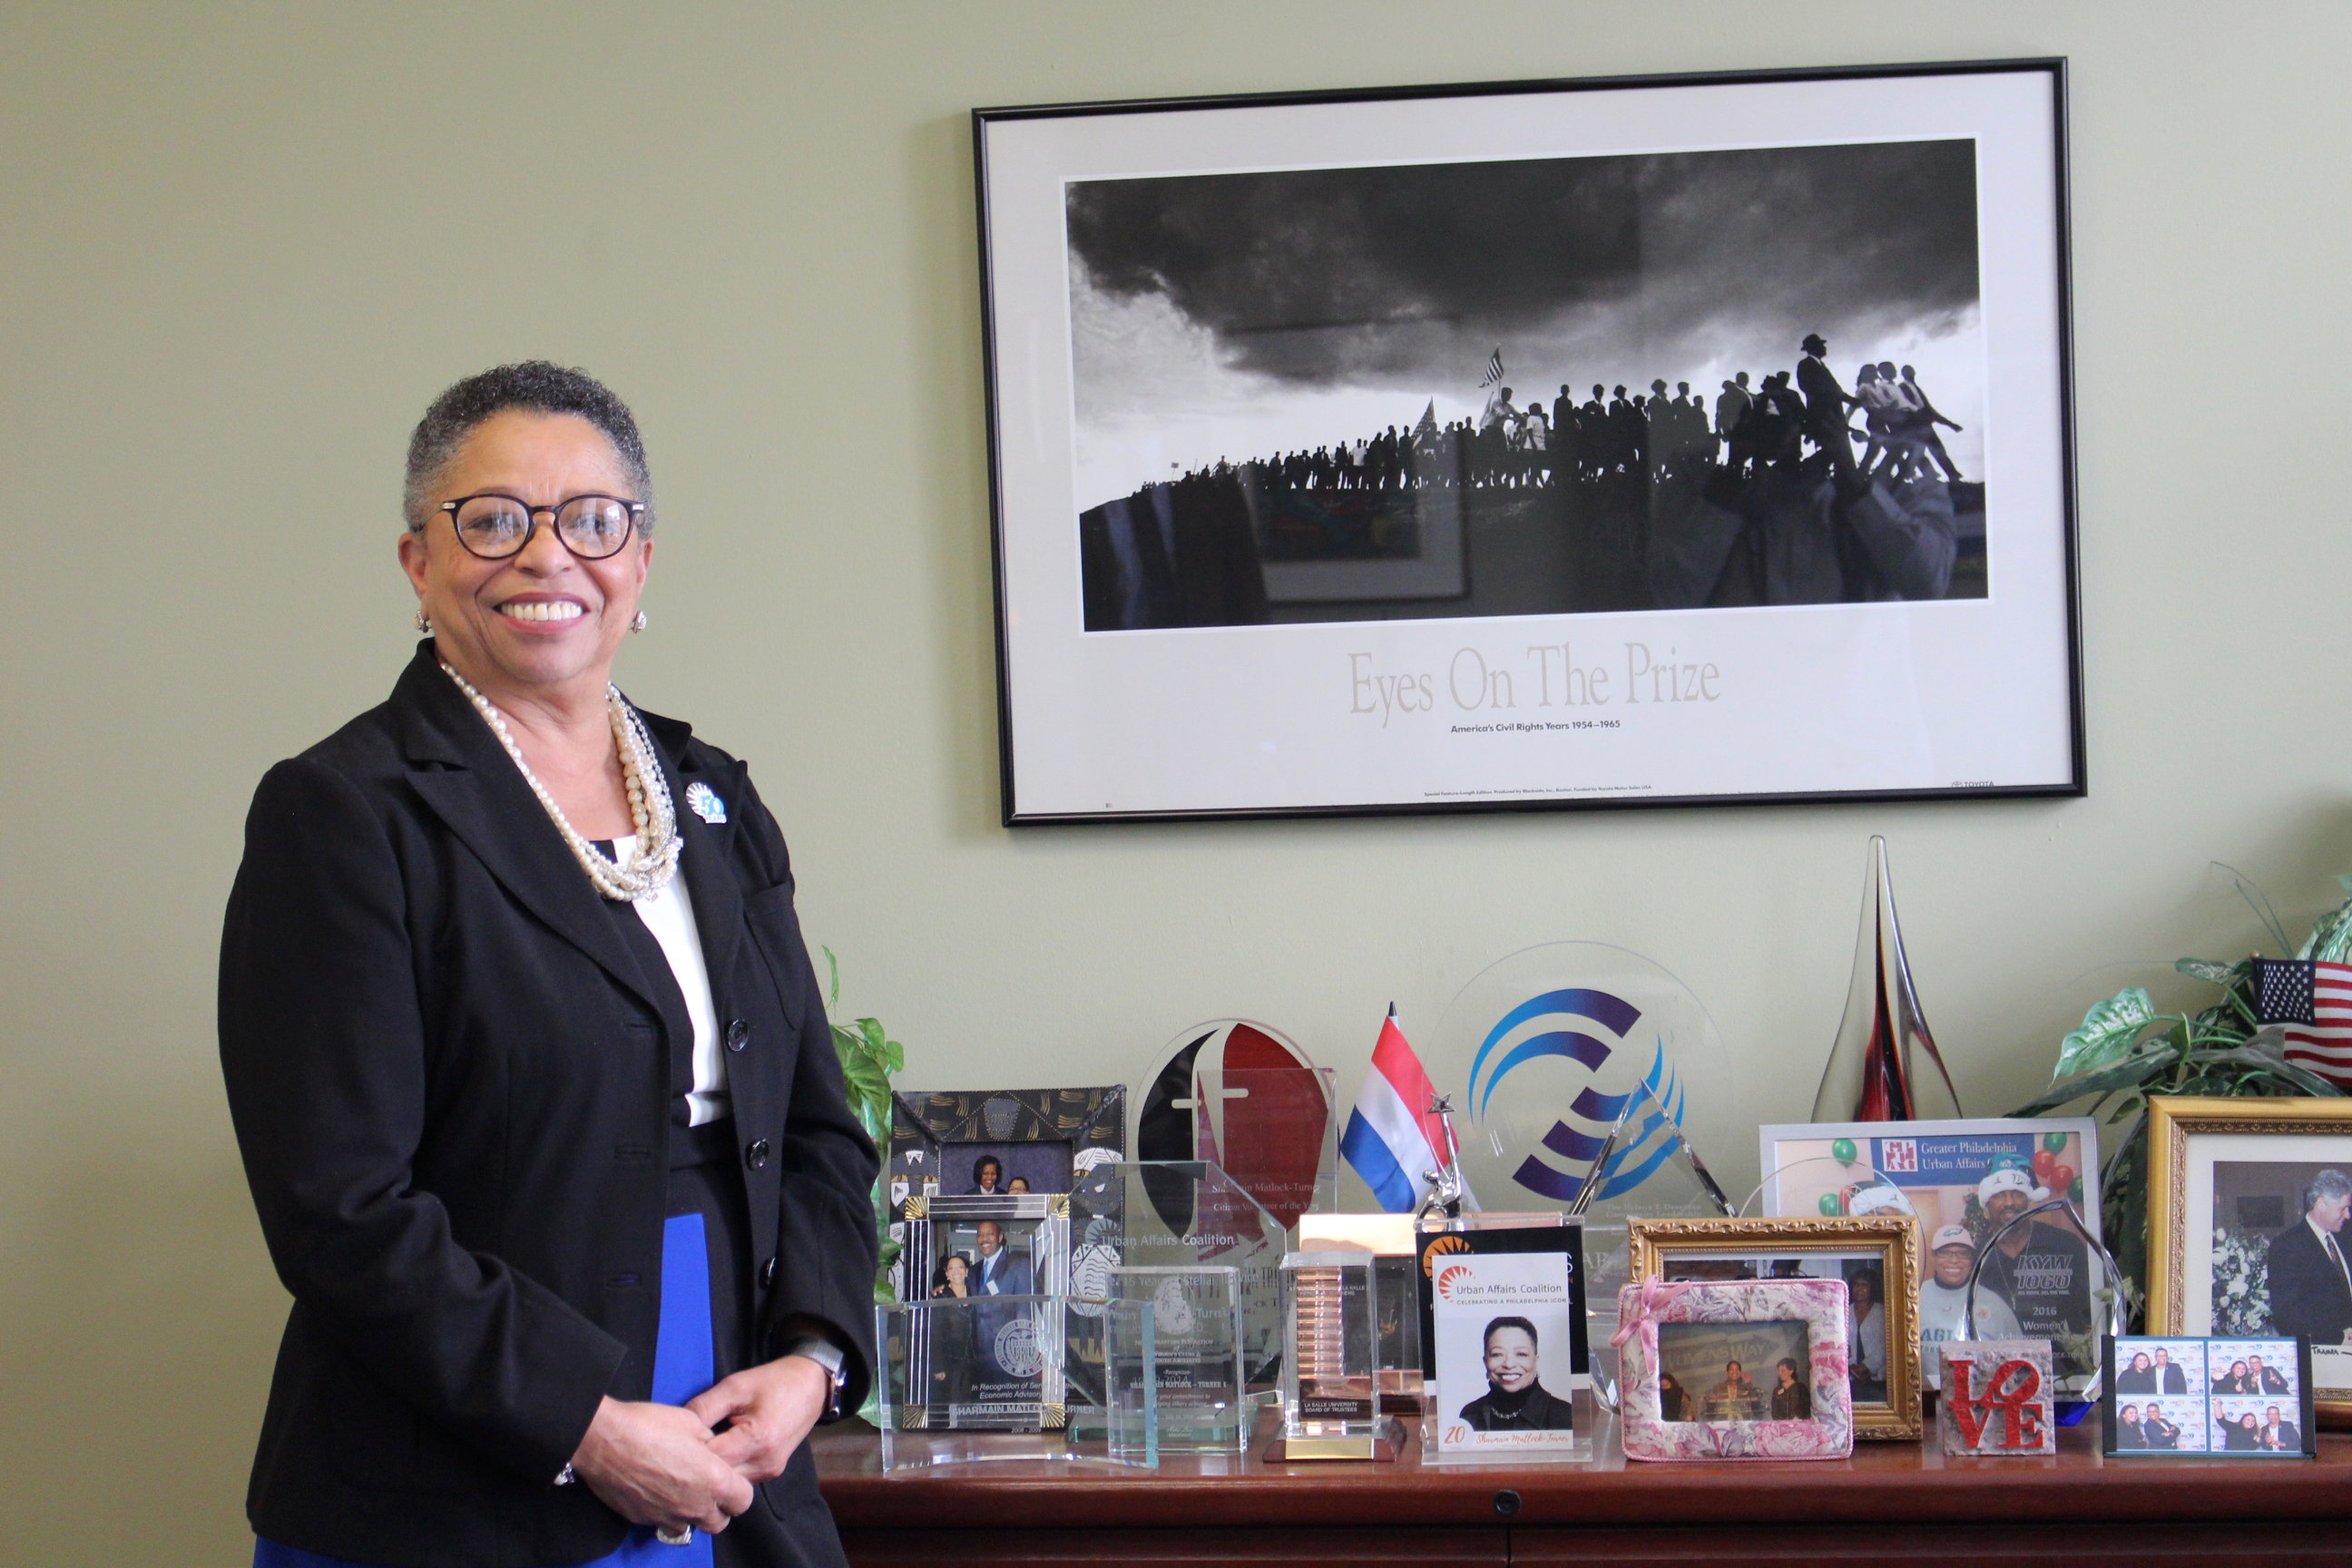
x: 1873, y: 1258
x: 1638, y: 441
x: 997, y: 1353
x: 2247, y: 1201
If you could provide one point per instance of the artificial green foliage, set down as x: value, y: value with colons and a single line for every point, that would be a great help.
x: 2126, y: 1051
x: 868, y: 1057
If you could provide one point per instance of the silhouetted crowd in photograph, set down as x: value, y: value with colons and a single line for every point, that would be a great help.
x: 1793, y: 490
x: 1662, y: 435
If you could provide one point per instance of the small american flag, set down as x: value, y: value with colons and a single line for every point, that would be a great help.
x: 1494, y: 368
x: 2313, y: 1000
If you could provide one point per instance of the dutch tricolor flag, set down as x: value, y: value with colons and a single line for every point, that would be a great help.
x: 1391, y: 1138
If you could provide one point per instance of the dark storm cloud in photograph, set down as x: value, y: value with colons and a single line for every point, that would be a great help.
x: 1391, y: 275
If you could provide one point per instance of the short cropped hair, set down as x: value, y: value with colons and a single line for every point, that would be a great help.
x: 2326, y: 1184
x: 535, y: 386
x: 1519, y: 1323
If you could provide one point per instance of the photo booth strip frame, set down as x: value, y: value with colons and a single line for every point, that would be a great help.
x: 2205, y: 1399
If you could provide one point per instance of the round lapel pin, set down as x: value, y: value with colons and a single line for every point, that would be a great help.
x: 704, y: 802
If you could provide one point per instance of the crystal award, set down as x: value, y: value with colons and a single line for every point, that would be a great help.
x: 1331, y: 1366
x: 1175, y: 1374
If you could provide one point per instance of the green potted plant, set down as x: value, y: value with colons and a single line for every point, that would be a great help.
x: 2126, y: 1050
x: 868, y: 1057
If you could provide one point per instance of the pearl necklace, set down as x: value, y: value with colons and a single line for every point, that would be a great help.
x: 654, y: 859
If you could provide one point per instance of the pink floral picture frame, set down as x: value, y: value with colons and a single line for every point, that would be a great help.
x: 1825, y: 1432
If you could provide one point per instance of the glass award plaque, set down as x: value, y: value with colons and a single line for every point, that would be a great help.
x: 1181, y: 1214
x: 2045, y: 1267
x: 1330, y: 1365
x: 1545, y: 1052
x: 1175, y: 1374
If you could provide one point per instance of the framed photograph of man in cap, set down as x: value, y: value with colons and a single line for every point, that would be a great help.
x: 2247, y: 1201
x: 1966, y: 1180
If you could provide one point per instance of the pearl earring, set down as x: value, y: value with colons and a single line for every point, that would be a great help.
x: 638, y: 625
x: 424, y: 621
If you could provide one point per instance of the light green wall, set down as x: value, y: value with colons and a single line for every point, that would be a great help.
x: 242, y: 244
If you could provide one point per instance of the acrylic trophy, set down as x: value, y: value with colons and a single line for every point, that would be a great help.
x: 1568, y: 1063
x: 1243, y: 1096
x: 1183, y: 1215
x: 2048, y: 1235
x: 1391, y: 1240
x: 1331, y: 1366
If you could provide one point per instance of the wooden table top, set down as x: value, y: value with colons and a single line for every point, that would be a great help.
x: 1882, y: 1482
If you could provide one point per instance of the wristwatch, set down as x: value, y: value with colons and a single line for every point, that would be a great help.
x: 826, y: 1354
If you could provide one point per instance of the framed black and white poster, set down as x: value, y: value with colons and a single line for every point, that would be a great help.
x: 1638, y: 441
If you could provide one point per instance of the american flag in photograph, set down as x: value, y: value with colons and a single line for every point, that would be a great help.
x: 2314, y: 1001
x: 1494, y: 369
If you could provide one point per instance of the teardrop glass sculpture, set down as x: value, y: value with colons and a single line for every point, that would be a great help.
x: 1885, y: 1066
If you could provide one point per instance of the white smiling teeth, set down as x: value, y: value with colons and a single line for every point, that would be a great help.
x: 542, y: 612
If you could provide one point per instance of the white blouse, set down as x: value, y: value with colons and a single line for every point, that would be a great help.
x: 668, y: 914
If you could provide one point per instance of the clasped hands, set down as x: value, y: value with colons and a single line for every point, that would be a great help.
x: 673, y: 1467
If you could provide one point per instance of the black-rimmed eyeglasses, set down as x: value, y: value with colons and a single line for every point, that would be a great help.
x: 495, y: 526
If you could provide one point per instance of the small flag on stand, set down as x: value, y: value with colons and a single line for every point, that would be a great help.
x: 2313, y: 1000
x: 1393, y: 1139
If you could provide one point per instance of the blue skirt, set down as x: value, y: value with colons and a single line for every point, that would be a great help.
x: 684, y: 1366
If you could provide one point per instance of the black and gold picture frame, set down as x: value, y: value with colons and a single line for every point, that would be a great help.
x: 1003, y: 1142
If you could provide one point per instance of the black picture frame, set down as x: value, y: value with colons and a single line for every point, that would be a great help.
x: 2201, y: 1394
x: 2001, y: 716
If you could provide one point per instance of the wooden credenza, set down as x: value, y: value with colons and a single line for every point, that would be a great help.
x: 1890, y: 1504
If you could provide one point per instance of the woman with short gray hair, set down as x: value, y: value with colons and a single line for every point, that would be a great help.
x: 535, y: 1093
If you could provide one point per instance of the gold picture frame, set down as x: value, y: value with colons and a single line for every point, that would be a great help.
x: 2173, y: 1122
x: 1653, y: 1246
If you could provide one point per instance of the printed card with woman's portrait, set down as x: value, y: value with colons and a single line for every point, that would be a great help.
x: 1505, y: 1325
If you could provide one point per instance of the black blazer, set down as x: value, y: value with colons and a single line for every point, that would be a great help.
x: 451, y: 1082
x: 2308, y: 1294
